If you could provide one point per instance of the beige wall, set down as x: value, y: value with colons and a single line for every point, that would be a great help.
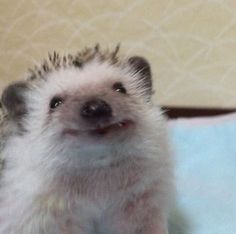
x: 191, y: 44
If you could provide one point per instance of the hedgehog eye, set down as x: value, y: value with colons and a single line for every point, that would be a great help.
x: 118, y: 87
x: 55, y: 102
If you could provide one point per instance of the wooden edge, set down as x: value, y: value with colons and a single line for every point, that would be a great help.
x: 188, y: 112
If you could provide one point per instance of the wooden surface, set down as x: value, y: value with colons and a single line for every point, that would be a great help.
x: 185, y: 112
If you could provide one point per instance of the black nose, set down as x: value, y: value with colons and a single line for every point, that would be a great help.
x: 96, y: 108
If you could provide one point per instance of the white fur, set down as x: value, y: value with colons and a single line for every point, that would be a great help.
x: 30, y: 204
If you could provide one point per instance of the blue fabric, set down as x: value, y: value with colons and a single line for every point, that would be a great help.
x: 206, y: 175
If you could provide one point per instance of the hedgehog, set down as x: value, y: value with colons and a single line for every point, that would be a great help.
x: 85, y: 150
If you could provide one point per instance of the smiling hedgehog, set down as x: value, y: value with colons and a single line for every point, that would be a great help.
x: 85, y: 151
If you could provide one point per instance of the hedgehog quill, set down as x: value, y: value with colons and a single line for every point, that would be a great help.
x: 85, y: 150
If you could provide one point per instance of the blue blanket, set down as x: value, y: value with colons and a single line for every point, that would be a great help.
x: 206, y: 176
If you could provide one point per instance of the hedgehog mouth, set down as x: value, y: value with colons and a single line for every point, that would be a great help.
x: 103, y: 130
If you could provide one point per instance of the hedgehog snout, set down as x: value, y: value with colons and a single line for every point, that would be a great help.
x: 96, y: 109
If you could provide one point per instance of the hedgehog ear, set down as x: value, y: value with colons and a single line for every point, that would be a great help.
x: 13, y: 99
x: 142, y: 67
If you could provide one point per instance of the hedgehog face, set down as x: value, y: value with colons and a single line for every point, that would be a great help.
x: 97, y: 106
x: 97, y: 103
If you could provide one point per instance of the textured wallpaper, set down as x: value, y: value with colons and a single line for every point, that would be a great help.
x: 191, y: 44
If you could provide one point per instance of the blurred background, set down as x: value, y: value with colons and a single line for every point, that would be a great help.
x: 190, y: 44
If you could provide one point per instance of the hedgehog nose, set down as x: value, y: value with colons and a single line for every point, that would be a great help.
x: 96, y: 108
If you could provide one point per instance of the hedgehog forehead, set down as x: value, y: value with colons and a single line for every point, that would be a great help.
x: 74, y: 79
